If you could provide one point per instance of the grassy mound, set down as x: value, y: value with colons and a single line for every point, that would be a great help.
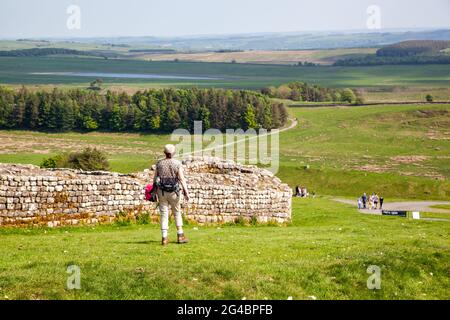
x: 398, y: 151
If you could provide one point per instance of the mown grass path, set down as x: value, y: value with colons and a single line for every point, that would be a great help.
x: 293, y: 124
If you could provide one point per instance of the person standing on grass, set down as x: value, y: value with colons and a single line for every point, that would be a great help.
x: 364, y: 200
x: 375, y: 200
x: 305, y: 191
x: 168, y: 179
x: 297, y: 191
x: 372, y: 201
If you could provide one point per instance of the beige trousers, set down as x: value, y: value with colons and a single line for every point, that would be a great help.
x: 172, y: 200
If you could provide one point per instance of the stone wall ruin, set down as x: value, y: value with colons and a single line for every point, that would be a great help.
x: 221, y: 192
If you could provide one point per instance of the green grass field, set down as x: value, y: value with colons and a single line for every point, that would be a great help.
x: 323, y: 254
x: 251, y: 76
x: 286, y: 57
x: 442, y: 206
x: 435, y: 215
x: 398, y: 151
x: 6, y: 45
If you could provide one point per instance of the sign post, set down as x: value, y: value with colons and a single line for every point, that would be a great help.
x: 416, y: 215
x: 395, y: 213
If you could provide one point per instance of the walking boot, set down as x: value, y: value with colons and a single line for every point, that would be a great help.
x: 165, y: 241
x: 182, y: 239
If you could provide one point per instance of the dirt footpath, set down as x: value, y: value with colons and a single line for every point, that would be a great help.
x: 421, y: 206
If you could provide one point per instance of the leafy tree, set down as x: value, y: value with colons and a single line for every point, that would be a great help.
x: 58, y: 161
x: 336, y: 96
x: 359, y: 98
x: 116, y: 118
x: 96, y: 84
x: 6, y: 107
x: 284, y: 115
x: 204, y: 115
x: 250, y: 118
x: 173, y: 119
x: 44, y: 111
x: 31, y: 120
x: 347, y: 95
x: 18, y: 112
x: 301, y: 91
x: 89, y: 124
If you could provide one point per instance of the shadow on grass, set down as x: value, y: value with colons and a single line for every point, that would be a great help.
x: 143, y: 242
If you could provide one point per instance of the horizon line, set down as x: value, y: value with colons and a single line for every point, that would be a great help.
x: 243, y: 34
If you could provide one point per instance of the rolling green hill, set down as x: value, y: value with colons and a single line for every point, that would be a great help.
x: 411, y: 52
x: 413, y: 47
x: 398, y: 151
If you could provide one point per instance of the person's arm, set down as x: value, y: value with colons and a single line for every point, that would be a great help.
x: 155, y: 177
x: 183, y: 183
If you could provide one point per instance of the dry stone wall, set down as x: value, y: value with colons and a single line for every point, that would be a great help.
x: 221, y: 191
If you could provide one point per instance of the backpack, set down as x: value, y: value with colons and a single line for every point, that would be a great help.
x: 169, y: 185
x: 150, y: 193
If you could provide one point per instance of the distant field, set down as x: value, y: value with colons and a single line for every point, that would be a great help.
x: 398, y: 151
x: 402, y: 94
x: 46, y: 71
x: 18, y: 45
x: 127, y: 152
x: 323, y: 57
x: 442, y: 206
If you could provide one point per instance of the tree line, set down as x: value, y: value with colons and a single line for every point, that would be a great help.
x: 43, y: 52
x: 373, y: 60
x: 155, y: 110
x: 403, y: 53
x: 413, y: 48
x: 40, y: 52
x: 302, y: 91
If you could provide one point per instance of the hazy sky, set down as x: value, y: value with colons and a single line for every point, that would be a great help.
x: 48, y: 18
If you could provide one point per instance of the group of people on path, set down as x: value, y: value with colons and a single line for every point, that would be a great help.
x: 301, y: 192
x: 373, y: 202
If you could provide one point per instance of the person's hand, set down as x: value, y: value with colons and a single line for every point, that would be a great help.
x: 186, y: 196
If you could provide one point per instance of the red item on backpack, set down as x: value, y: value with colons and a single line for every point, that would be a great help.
x: 150, y: 193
